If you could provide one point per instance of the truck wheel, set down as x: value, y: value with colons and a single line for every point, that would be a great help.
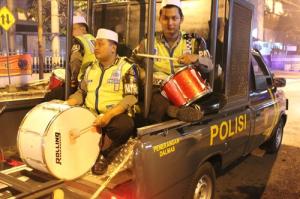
x: 273, y: 145
x: 203, y: 183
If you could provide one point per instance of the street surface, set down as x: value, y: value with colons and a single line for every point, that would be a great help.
x: 269, y: 176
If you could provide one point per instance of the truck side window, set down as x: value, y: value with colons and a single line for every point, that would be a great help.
x: 260, y: 75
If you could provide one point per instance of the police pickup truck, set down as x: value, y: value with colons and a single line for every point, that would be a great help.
x: 179, y: 160
x: 174, y: 159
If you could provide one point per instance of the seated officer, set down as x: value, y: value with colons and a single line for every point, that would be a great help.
x: 109, y: 88
x: 174, y: 43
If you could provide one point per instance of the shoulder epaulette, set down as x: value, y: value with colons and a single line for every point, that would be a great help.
x: 191, y: 36
x: 130, y: 61
x: 196, y: 36
x: 87, y: 64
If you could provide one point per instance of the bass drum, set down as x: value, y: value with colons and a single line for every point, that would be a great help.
x: 45, y: 143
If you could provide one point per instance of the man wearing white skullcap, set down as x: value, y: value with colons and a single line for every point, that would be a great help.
x: 110, y: 89
x: 82, y: 50
x: 174, y: 43
x: 82, y: 53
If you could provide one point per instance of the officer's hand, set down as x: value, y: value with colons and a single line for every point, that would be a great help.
x: 71, y: 102
x: 74, y: 83
x: 102, y: 120
x: 187, y: 59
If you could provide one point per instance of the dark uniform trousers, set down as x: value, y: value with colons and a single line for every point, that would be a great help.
x: 158, y: 108
x: 119, y: 130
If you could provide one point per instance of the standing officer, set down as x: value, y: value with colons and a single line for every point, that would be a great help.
x: 171, y: 42
x: 82, y: 53
x: 110, y: 89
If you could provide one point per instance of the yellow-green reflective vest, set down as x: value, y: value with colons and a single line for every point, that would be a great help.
x: 88, y: 42
x: 105, y: 87
x: 163, y: 67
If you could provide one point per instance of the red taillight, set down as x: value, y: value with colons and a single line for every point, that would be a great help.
x: 122, y: 191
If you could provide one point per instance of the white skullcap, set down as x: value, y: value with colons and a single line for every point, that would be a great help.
x: 107, y: 34
x: 170, y: 2
x: 79, y: 19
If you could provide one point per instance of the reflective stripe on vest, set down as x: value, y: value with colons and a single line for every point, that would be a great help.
x: 105, y: 87
x: 88, y: 42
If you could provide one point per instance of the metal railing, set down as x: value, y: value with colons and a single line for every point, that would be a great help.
x: 50, y: 63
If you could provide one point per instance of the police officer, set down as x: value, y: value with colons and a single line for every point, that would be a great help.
x: 110, y: 89
x: 171, y: 42
x: 82, y: 53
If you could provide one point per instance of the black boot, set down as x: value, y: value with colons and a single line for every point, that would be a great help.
x: 100, y: 166
x: 187, y: 114
x: 104, y: 159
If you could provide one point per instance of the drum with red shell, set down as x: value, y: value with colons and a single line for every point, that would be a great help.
x: 57, y: 78
x: 185, y: 87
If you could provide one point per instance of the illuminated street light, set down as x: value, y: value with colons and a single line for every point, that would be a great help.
x: 274, y: 7
x: 278, y: 10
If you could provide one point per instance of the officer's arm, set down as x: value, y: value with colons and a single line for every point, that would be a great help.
x: 204, y: 62
x: 141, y: 48
x: 78, y: 97
x: 127, y: 102
x: 77, y: 53
x: 140, y: 61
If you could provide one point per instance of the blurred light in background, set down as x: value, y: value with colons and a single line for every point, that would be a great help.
x: 274, y: 6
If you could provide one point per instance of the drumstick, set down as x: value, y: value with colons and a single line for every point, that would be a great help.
x: 81, y: 132
x: 157, y: 57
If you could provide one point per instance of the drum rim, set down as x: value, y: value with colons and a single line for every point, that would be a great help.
x: 42, y: 147
x: 59, y: 78
x: 21, y: 124
x: 183, y: 68
x: 209, y: 90
x: 172, y: 75
x: 166, y: 81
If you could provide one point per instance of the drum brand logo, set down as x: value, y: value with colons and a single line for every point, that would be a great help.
x: 58, y: 148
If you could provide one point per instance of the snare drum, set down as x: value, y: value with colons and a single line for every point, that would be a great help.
x: 57, y: 78
x: 185, y: 87
x: 44, y: 140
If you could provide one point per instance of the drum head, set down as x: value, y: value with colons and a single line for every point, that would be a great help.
x: 59, y: 73
x: 65, y: 158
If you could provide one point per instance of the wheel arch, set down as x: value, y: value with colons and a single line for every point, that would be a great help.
x: 215, y: 160
x: 284, y: 117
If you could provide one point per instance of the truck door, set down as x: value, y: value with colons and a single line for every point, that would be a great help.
x: 232, y: 131
x: 261, y: 101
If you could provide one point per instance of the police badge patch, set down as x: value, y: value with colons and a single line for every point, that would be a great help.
x: 75, y: 48
x: 115, y: 79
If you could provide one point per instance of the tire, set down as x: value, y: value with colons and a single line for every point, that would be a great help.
x: 273, y: 145
x: 203, y: 183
